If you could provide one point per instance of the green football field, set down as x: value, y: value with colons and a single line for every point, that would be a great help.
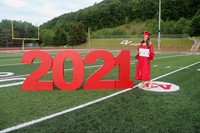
x: 116, y: 110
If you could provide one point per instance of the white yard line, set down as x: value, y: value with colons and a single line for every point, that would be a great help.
x: 176, y: 70
x: 17, y: 64
x: 84, y: 105
x: 68, y: 69
x: 168, y: 67
x: 12, y: 84
x: 131, y: 61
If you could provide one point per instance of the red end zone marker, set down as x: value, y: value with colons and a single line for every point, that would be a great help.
x: 158, y: 86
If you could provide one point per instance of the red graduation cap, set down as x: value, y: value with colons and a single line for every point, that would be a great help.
x: 146, y: 33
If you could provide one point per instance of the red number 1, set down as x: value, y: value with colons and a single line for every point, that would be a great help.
x: 123, y: 61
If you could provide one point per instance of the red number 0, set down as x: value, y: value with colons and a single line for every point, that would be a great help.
x: 58, y: 70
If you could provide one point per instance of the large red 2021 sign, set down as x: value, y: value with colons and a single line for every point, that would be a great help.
x: 93, y: 82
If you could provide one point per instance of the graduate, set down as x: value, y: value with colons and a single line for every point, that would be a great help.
x: 145, y: 55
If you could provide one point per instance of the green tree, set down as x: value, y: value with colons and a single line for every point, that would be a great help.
x: 195, y: 24
x: 181, y: 26
x: 168, y: 27
x: 118, y: 32
x: 60, y: 37
x: 47, y: 37
x: 112, y: 13
x: 77, y: 34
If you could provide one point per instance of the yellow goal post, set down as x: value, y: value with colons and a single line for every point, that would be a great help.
x: 23, y: 39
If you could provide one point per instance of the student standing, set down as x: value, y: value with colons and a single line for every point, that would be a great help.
x: 145, y: 55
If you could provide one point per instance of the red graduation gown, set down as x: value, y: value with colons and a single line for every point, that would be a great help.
x: 143, y: 64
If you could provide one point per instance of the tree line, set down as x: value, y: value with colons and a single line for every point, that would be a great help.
x: 20, y: 30
x: 178, y: 17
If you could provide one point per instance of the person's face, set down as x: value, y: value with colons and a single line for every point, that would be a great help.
x: 145, y: 38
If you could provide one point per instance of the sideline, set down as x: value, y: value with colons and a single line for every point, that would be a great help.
x: 67, y: 69
x: 84, y: 105
x: 37, y: 62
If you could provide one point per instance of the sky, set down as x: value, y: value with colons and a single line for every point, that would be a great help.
x: 39, y: 11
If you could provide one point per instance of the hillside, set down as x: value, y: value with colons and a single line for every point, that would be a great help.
x: 111, y: 13
x: 178, y: 17
x: 114, y: 17
x: 180, y: 27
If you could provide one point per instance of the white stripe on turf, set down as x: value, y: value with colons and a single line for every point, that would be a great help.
x: 131, y: 61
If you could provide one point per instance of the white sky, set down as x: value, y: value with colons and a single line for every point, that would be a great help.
x: 40, y: 11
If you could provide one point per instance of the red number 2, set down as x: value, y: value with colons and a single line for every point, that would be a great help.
x: 31, y: 82
x: 122, y: 60
x: 94, y: 81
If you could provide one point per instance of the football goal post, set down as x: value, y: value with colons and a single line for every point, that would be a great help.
x: 25, y: 38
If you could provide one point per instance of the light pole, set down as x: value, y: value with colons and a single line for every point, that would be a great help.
x: 159, y: 19
x: 88, y: 36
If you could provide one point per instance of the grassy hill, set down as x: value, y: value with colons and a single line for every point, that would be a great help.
x: 113, y: 37
x: 178, y: 17
x: 183, y: 44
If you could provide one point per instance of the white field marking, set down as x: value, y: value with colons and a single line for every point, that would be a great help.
x: 168, y: 67
x: 38, y: 61
x: 17, y: 64
x: 185, y: 68
x: 155, y: 65
x: 131, y: 61
x: 11, y: 84
x: 157, y: 88
x: 68, y: 69
x: 50, y: 50
x: 125, y: 42
x: 198, y: 69
x: 84, y: 105
x: 5, y: 74
x: 17, y: 77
